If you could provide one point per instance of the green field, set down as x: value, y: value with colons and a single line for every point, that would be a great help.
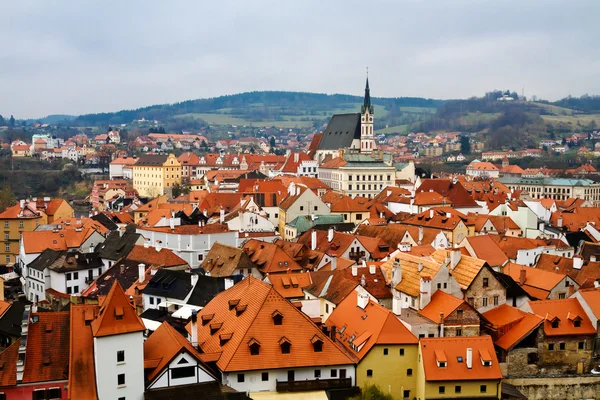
x: 394, y: 129
x: 224, y: 119
x: 476, y: 117
x: 555, y: 109
x: 582, y: 119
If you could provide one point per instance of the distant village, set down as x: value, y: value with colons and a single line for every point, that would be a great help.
x: 304, y: 266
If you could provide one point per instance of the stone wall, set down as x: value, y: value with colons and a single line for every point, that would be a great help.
x: 558, y: 388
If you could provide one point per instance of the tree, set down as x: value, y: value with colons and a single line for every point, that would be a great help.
x: 564, y: 141
x: 11, y: 121
x: 272, y: 144
x: 7, y: 198
x: 465, y: 145
x: 372, y: 392
x: 2, y: 121
x: 204, y: 145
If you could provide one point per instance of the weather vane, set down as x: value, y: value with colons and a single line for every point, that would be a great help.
x: 367, y: 71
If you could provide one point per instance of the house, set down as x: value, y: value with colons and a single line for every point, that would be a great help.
x: 168, y: 289
x: 224, y: 261
x: 386, y: 350
x: 540, y: 284
x: 154, y: 175
x: 452, y: 223
x: 351, y: 210
x: 566, y: 343
x: 453, y: 190
x: 590, y: 301
x: 458, y: 367
x: 299, y: 201
x: 484, y: 248
x: 585, y: 273
x: 260, y: 342
x: 11, y: 317
x: 454, y: 316
x: 118, y: 245
x: 269, y: 258
x: 482, y: 169
x: 515, y: 335
x: 121, y: 168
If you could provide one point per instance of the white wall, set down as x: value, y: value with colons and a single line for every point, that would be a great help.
x: 253, y: 379
x: 105, y: 358
x: 166, y: 380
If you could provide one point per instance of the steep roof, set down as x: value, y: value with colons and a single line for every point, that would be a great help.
x: 411, y: 271
x: 453, y: 348
x: 465, y: 270
x: 8, y: 359
x: 224, y: 260
x: 455, y: 191
x: 38, y: 241
x: 169, y: 283
x: 512, y: 324
x: 486, y: 249
x: 567, y: 311
x: 369, y: 326
x: 116, y: 315
x: 244, y: 315
x: 82, y: 374
x: 269, y: 257
x: 118, y: 245
x: 441, y: 302
x: 163, y: 345
x: 341, y: 130
x: 163, y: 258
x: 47, y: 352
x: 290, y: 285
x: 151, y: 160
x: 534, y: 279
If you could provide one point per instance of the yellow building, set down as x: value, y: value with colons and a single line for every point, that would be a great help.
x: 385, y: 349
x: 25, y: 217
x: 155, y: 175
x: 462, y: 367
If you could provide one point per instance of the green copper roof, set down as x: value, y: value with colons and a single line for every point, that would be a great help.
x: 367, y: 102
x: 304, y: 223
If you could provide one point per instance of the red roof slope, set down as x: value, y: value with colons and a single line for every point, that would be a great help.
x: 8, y: 358
x: 567, y: 311
x: 116, y: 315
x: 82, y: 371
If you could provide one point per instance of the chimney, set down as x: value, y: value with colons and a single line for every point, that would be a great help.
x: 158, y: 245
x: 313, y: 240
x: 425, y: 292
x: 194, y: 280
x: 221, y: 215
x: 195, y: 329
x: 363, y: 264
x: 592, y: 258
x: 441, y: 327
x: 296, y: 157
x: 333, y: 332
x: 396, y: 273
x: 372, y: 269
x: 420, y: 241
x: 469, y: 358
x: 522, y: 276
x: 454, y: 258
x: 448, y: 215
x: 577, y: 262
x: 330, y: 235
x: 141, y: 272
x: 362, y: 300
x: 172, y: 223
x: 228, y: 283
x: 430, y: 213
x: 363, y: 281
x: 334, y: 263
x: 389, y: 193
x: 397, y: 305
x: 354, y: 270
x: 559, y: 222
x: 22, y: 204
x: 146, y: 243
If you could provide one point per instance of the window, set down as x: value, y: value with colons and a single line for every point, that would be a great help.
x: 532, y: 358
x: 485, y: 282
x: 121, y: 379
x: 561, y: 295
x: 555, y: 323
x: 21, y: 224
x: 301, y: 208
x: 409, y: 372
x: 75, y: 289
x: 483, y: 388
x: 385, y: 352
x: 459, y: 313
x: 285, y: 347
x: 316, y: 208
x: 358, y: 216
x: 151, y: 299
x: 562, y: 346
x: 6, y: 237
x: 69, y: 290
x: 402, y: 352
x: 458, y: 331
x: 183, y: 372
x: 241, y: 378
x: 7, y: 247
x: 369, y: 373
x: 484, y: 302
x: 550, y: 346
x: 442, y: 389
x: 68, y: 276
x: 496, y: 300
x: 317, y: 373
x: 577, y: 323
x: 457, y: 389
x: 75, y: 275
x: 264, y: 376
x: 6, y: 224
x: 581, y: 345
x: 334, y: 373
x: 121, y: 356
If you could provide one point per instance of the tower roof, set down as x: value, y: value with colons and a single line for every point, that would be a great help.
x: 367, y: 102
x: 117, y: 315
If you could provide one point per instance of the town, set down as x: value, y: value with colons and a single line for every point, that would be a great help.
x: 307, y: 265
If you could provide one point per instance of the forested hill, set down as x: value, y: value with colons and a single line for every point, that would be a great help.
x: 255, y: 106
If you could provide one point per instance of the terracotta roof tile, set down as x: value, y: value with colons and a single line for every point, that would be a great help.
x: 486, y: 249
x: 411, y: 276
x: 441, y: 302
x: 82, y: 371
x: 534, y: 279
x: 512, y: 325
x: 567, y: 311
x: 116, y: 315
x: 8, y: 359
x: 455, y: 191
x: 269, y: 257
x: 164, y: 258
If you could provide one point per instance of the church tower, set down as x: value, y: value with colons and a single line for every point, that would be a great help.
x: 367, y: 141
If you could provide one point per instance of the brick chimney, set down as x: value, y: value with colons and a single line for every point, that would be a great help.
x: 522, y: 276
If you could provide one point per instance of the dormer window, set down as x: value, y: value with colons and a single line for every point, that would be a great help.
x: 240, y: 309
x: 555, y: 323
x: 207, y: 318
x: 224, y: 338
x: 214, y: 327
x: 317, y: 343
x: 119, y: 313
x: 233, y: 303
x: 254, y: 346
x: 577, y: 323
x: 285, y: 345
x: 277, y: 318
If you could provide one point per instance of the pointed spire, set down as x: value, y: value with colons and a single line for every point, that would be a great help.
x: 367, y: 102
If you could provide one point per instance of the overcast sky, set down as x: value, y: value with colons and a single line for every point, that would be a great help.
x: 83, y: 56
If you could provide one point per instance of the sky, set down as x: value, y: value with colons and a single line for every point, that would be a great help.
x: 77, y: 57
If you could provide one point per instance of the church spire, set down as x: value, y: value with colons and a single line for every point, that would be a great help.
x: 367, y: 102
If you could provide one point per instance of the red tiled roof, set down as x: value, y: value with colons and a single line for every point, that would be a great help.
x: 567, y: 311
x: 82, y: 371
x: 8, y: 359
x: 47, y: 354
x: 441, y: 302
x: 454, y: 191
x: 116, y: 315
x: 512, y: 324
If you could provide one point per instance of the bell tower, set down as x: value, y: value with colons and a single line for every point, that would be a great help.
x: 367, y: 141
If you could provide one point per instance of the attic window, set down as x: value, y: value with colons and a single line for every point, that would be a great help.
x: 224, y: 338
x: 317, y: 343
x: 277, y: 318
x: 577, y: 323
x: 48, y: 328
x: 207, y: 318
x: 214, y: 327
x: 240, y: 309
x: 555, y: 323
x: 119, y: 313
x: 285, y: 345
x: 254, y: 347
x: 46, y: 360
x: 233, y: 303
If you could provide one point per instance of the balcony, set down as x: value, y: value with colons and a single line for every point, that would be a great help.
x: 357, y: 254
x: 317, y: 384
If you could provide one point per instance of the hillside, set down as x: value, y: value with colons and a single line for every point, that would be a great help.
x: 281, y: 109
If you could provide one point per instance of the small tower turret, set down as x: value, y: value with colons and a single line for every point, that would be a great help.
x: 367, y: 141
